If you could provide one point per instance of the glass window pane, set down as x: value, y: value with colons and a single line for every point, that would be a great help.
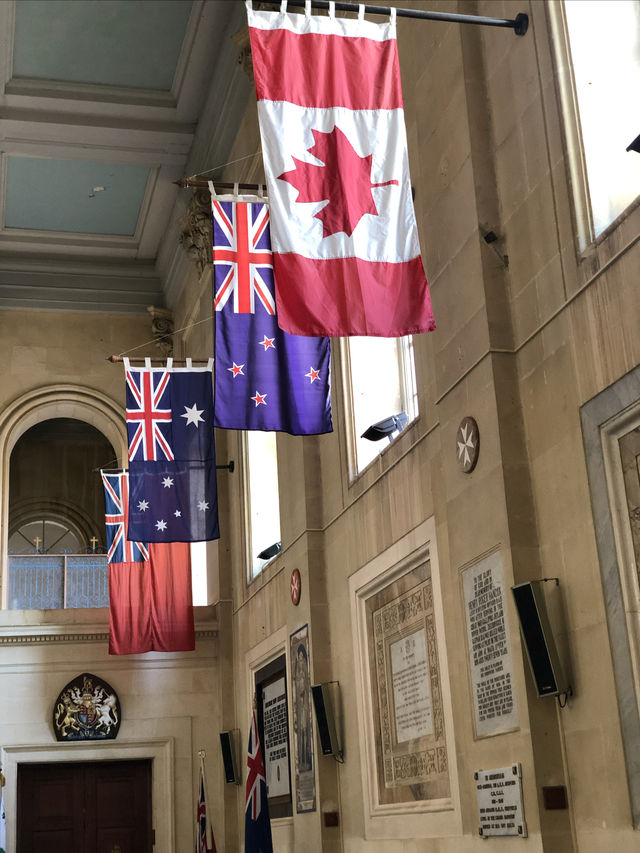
x: 264, y: 503
x: 382, y: 384
x: 605, y: 51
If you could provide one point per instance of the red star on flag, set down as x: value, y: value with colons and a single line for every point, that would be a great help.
x: 267, y: 343
x: 259, y: 399
x: 236, y: 369
x: 313, y: 374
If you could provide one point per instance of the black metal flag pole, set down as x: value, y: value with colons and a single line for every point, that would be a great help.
x: 519, y: 24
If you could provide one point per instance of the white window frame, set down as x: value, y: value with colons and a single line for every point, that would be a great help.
x: 409, y: 393
x: 252, y: 573
x: 577, y: 166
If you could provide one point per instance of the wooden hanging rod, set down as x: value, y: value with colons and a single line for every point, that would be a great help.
x: 116, y: 358
x: 198, y: 182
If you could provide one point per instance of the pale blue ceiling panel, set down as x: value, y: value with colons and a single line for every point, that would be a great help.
x: 109, y: 42
x: 64, y: 195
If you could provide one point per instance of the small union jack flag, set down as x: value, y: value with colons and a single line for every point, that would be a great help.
x: 241, y: 252
x: 257, y: 826
x: 148, y: 414
x: 116, y: 498
x: 202, y: 844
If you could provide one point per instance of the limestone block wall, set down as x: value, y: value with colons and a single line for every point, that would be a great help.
x: 520, y: 347
x: 168, y: 701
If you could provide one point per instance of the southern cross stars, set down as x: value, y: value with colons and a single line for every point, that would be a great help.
x: 167, y: 482
x: 236, y: 369
x: 143, y: 505
x: 193, y: 415
x: 313, y: 374
x: 203, y: 505
x: 259, y: 399
x: 267, y: 343
x: 161, y: 525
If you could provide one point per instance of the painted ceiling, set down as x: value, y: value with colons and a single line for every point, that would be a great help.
x: 103, y: 104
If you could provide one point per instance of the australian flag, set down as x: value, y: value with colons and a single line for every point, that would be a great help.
x: 257, y: 826
x: 172, y: 465
x: 265, y: 379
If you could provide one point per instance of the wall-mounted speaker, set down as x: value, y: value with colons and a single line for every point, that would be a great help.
x: 229, y: 757
x: 549, y: 673
x: 325, y: 703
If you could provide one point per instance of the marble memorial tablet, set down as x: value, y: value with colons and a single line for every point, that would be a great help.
x: 500, y: 801
x: 490, y: 657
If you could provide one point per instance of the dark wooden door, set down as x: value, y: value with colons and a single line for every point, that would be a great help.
x: 92, y: 807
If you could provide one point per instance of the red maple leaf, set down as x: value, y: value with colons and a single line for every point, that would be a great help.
x: 344, y: 181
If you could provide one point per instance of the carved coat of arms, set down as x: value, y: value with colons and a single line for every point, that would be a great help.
x: 86, y: 709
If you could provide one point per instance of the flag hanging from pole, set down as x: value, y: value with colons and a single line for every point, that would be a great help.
x: 265, y: 379
x: 257, y: 826
x: 150, y: 602
x: 202, y: 845
x: 172, y: 464
x: 346, y: 255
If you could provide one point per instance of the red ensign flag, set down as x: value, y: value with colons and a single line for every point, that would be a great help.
x: 346, y: 255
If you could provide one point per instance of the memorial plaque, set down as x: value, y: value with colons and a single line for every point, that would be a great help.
x: 411, y: 693
x: 302, y: 723
x: 500, y: 801
x: 276, y: 738
x: 411, y: 751
x: 490, y: 657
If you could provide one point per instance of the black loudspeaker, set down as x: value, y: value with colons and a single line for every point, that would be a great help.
x: 229, y: 759
x: 546, y: 666
x: 323, y: 703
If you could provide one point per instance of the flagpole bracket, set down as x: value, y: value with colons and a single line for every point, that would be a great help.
x: 230, y: 466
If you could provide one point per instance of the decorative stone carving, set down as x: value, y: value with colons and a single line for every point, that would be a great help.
x: 195, y: 230
x: 245, y: 60
x: 162, y: 329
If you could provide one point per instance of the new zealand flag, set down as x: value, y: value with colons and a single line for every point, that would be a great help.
x: 172, y: 465
x: 265, y: 379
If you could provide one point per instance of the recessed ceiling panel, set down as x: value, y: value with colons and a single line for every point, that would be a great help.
x: 108, y: 42
x: 67, y: 195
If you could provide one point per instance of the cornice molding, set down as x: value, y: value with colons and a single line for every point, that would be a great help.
x: 51, y: 635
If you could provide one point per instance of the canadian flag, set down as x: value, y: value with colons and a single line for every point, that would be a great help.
x: 346, y: 255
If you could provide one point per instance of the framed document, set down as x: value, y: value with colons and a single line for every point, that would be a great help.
x: 304, y: 764
x: 273, y: 724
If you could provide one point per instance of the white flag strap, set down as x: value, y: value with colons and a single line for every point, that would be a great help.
x: 147, y: 363
x: 307, y: 8
x: 332, y: 9
x: 125, y: 361
x: 189, y: 364
x: 210, y: 365
x: 169, y: 363
x: 361, y: 11
x: 283, y: 7
x: 212, y: 189
x: 392, y: 16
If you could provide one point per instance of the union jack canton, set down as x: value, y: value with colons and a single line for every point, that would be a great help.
x: 148, y: 414
x: 257, y: 826
x: 116, y: 498
x: 241, y: 250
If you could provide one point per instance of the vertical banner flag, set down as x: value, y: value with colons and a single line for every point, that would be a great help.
x: 150, y: 603
x: 202, y: 845
x: 346, y: 256
x: 172, y: 464
x: 265, y: 379
x: 257, y: 826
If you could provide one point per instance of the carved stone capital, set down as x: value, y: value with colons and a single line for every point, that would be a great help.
x: 162, y: 329
x: 245, y: 60
x: 195, y: 230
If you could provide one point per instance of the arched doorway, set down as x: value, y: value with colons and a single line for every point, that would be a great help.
x: 51, y: 503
